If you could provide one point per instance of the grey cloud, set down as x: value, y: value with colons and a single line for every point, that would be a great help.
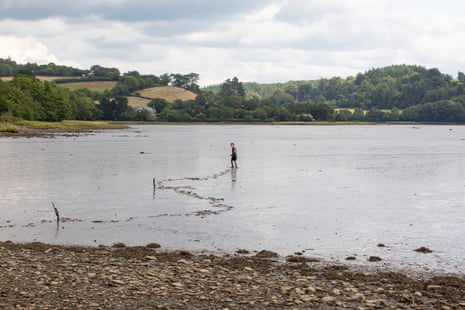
x: 135, y: 10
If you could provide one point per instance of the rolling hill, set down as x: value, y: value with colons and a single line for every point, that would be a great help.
x: 169, y: 93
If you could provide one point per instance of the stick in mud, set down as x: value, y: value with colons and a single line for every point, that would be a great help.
x: 56, y: 213
x: 154, y: 187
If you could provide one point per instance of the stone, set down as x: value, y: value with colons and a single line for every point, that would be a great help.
x: 433, y: 287
x: 328, y: 299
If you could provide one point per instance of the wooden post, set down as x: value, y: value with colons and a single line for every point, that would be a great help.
x: 56, y: 213
x: 154, y: 187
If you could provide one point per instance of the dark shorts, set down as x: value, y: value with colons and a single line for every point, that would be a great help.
x: 233, y: 157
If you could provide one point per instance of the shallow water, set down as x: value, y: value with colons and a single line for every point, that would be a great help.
x: 331, y: 191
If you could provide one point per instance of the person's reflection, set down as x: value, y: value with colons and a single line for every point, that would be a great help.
x: 233, y: 176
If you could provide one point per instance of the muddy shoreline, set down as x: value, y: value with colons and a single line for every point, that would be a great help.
x: 43, y: 276
x: 24, y: 132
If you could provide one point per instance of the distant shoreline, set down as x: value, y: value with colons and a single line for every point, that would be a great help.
x: 31, y: 129
x: 74, y: 128
x: 316, y: 123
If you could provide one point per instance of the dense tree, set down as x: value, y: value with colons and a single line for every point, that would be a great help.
x: 9, y: 67
x: 461, y: 76
x: 3, y: 98
x: 158, y: 104
x: 116, y: 109
x: 29, y: 98
x: 232, y: 87
x: 112, y: 74
x: 186, y: 81
x: 281, y: 98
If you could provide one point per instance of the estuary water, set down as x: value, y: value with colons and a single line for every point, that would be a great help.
x: 329, y: 192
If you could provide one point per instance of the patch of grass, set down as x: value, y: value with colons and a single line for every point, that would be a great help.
x: 7, y: 127
x: 137, y: 102
x: 169, y: 93
x: 97, y: 86
x: 70, y: 125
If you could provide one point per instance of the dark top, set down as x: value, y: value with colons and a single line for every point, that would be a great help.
x: 233, y: 153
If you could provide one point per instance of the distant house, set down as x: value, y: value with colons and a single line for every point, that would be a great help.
x: 152, y: 112
x: 306, y: 117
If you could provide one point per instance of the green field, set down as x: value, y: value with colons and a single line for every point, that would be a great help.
x: 169, y: 93
x: 97, y: 86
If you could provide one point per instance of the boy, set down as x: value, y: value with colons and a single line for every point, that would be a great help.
x: 233, y: 155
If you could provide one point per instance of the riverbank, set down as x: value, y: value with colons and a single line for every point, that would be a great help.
x: 42, y: 276
x: 51, y: 129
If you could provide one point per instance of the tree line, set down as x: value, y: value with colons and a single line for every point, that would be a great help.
x: 29, y: 98
x: 393, y: 93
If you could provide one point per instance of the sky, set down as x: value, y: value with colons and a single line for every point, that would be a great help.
x: 262, y: 41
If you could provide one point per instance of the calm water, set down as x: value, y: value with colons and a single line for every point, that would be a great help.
x: 331, y: 191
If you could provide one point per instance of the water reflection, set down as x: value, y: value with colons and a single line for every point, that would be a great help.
x: 233, y: 176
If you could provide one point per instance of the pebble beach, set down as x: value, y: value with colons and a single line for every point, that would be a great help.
x: 43, y: 276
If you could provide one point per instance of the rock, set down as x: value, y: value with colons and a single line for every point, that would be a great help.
x: 423, y: 250
x: 266, y: 254
x: 285, y: 289
x: 301, y: 259
x: 375, y: 302
x: 118, y: 245
x: 433, y: 287
x: 153, y: 245
x: 328, y: 299
x: 185, y: 253
x: 336, y: 292
x: 374, y: 259
x: 357, y: 296
x: 118, y: 282
x: 307, y: 298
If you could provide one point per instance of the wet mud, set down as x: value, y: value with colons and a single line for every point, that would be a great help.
x: 217, y: 205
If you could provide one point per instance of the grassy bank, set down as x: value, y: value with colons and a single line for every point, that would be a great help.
x: 20, y: 127
x: 8, y: 128
x: 70, y: 125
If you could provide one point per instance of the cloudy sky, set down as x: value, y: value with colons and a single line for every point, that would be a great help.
x: 255, y: 40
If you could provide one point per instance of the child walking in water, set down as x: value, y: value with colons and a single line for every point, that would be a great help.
x: 233, y: 155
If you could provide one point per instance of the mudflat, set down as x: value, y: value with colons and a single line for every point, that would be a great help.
x: 42, y: 276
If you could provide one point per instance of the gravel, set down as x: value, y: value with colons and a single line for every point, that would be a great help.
x: 42, y: 276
